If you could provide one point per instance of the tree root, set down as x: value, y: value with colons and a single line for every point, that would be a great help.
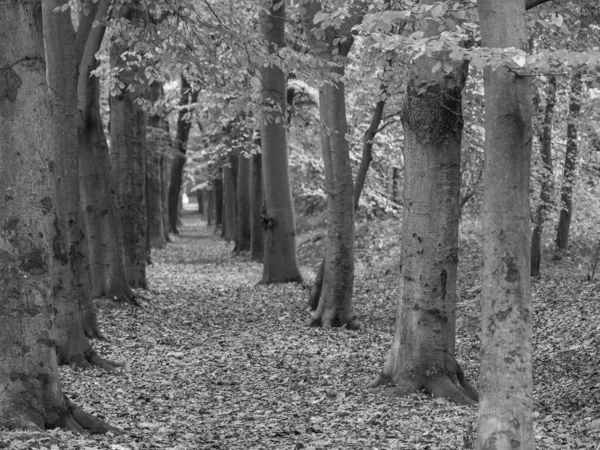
x: 317, y: 287
x: 330, y: 318
x: 453, y: 387
x: 88, y: 360
x: 78, y: 421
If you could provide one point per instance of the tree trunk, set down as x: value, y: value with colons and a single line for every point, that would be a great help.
x: 243, y: 234
x: 128, y: 158
x: 546, y: 184
x: 228, y: 229
x: 157, y: 144
x: 257, y: 243
x: 200, y: 193
x: 280, y: 264
x: 102, y: 225
x: 335, y: 306
x: 423, y: 351
x: 30, y: 392
x: 70, y: 269
x: 184, y: 124
x: 566, y: 192
x: 165, y: 172
x: 209, y: 206
x: 218, y: 184
x: 505, y: 407
x: 367, y: 150
x: 359, y: 183
x: 230, y: 198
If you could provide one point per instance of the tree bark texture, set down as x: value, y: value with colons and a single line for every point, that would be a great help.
x: 218, y: 185
x: 256, y: 206
x: 280, y: 264
x: 165, y: 175
x: 184, y: 125
x: 243, y: 235
x: 228, y: 230
x: 30, y: 393
x: 128, y: 157
x: 157, y: 146
x: 423, y: 351
x: 570, y: 167
x: 546, y: 185
x: 102, y: 226
x: 336, y: 306
x: 359, y: 183
x: 70, y: 269
x: 505, y: 406
x: 209, y: 205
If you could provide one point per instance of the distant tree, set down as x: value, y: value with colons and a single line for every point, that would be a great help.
x: 546, y: 184
x: 256, y: 207
x: 189, y: 96
x: 423, y: 351
x: 570, y: 167
x: 158, y: 143
x: 280, y: 263
x: 506, y: 388
x: 30, y: 393
x: 218, y: 184
x: 229, y: 197
x: 243, y: 234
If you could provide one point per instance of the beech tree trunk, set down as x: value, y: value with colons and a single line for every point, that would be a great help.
x: 505, y: 406
x: 572, y: 153
x: 209, y: 206
x: 228, y: 229
x: 280, y: 264
x: 165, y: 174
x: 359, y: 183
x: 157, y: 146
x: 243, y: 234
x: 546, y: 186
x: 70, y: 270
x: 257, y: 243
x: 30, y: 393
x: 188, y: 96
x: 423, y: 351
x: 218, y: 184
x: 335, y: 306
x: 102, y: 226
x: 128, y: 157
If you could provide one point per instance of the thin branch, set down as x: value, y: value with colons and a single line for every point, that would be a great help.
x: 533, y: 3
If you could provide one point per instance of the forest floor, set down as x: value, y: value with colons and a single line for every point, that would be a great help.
x: 213, y: 361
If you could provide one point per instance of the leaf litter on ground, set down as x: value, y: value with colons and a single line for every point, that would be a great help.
x: 214, y: 361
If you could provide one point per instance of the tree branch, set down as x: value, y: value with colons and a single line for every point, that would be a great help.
x: 533, y: 3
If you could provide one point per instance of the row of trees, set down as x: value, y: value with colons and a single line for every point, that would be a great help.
x: 81, y: 215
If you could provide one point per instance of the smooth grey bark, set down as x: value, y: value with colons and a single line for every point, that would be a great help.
x: 256, y: 208
x: 505, y: 418
x: 280, y: 263
x: 243, y: 234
